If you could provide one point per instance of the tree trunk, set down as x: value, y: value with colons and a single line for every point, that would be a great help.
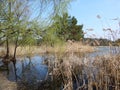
x: 15, y: 49
x: 14, y: 56
x: 7, y: 51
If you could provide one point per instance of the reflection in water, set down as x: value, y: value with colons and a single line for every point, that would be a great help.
x: 30, y: 70
x: 33, y: 70
x: 1, y: 63
x: 11, y: 75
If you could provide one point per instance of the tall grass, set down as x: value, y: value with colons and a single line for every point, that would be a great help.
x: 75, y: 73
x: 43, y: 49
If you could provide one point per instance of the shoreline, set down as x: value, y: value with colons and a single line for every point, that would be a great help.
x: 75, y: 47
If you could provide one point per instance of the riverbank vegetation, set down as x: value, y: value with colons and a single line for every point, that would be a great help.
x: 66, y: 47
x: 56, y: 35
x: 76, y: 73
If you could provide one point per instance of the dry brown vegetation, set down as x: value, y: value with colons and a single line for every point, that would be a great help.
x: 99, y: 73
x: 102, y: 74
x: 67, y: 47
x: 73, y: 72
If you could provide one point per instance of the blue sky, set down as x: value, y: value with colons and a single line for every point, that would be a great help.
x: 86, y: 12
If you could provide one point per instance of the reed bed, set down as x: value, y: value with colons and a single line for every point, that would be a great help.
x: 71, y: 72
x: 43, y: 49
x: 74, y: 73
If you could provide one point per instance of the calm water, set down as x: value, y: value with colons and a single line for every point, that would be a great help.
x: 29, y: 69
x: 33, y: 70
x: 104, y: 50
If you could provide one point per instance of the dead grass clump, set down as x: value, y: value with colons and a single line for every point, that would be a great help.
x: 65, y: 71
x: 78, y: 47
x: 102, y: 74
x: 109, y: 72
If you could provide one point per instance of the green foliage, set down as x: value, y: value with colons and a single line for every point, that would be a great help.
x: 17, y: 28
x: 67, y: 28
x: 51, y: 38
x: 62, y: 29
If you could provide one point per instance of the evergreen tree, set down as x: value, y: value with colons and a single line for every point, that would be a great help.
x: 67, y: 28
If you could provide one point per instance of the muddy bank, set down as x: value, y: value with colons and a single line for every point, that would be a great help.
x: 5, y: 84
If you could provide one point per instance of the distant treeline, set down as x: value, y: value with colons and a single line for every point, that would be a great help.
x: 101, y: 42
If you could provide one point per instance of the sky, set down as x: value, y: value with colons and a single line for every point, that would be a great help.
x: 88, y: 11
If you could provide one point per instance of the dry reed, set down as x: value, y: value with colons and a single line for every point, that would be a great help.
x: 102, y: 74
x: 76, y: 47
